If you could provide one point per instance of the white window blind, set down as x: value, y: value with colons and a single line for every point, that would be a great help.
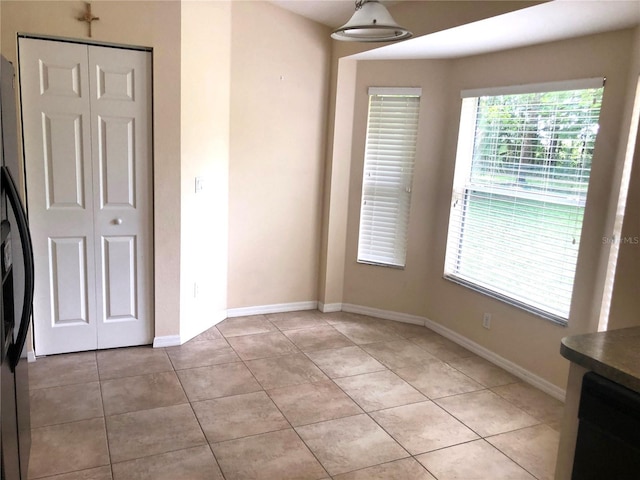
x: 392, y: 131
x: 520, y: 186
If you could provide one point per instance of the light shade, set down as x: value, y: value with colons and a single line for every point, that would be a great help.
x: 371, y: 22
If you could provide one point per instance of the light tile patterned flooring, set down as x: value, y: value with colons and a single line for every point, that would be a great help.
x: 300, y: 395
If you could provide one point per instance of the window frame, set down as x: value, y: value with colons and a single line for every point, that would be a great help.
x: 462, y: 184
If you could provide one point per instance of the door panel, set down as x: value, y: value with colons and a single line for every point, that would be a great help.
x: 87, y: 128
x: 115, y: 82
x: 121, y: 113
x: 68, y: 281
x: 117, y: 162
x: 63, y: 161
x: 60, y: 78
x: 57, y: 148
x: 119, y: 257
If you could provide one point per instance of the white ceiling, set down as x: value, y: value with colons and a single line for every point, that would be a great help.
x: 333, y: 13
x: 546, y: 22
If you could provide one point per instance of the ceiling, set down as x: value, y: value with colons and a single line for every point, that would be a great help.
x: 332, y: 13
x: 546, y: 22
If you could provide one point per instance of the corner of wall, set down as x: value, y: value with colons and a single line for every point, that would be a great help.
x: 338, y: 171
x: 205, y: 70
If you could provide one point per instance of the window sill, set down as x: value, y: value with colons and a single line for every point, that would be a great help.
x: 378, y: 264
x: 556, y: 319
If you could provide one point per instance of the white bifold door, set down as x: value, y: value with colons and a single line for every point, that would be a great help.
x: 86, y: 113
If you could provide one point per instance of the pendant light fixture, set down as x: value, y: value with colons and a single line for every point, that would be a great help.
x: 371, y: 22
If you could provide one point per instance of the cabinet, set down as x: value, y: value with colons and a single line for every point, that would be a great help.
x: 608, y: 441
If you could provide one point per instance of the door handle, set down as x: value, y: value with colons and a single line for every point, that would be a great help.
x: 11, y: 191
x: 117, y: 221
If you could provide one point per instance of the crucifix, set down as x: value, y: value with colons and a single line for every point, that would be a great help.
x: 88, y: 17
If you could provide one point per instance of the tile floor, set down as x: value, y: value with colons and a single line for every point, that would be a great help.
x: 300, y: 395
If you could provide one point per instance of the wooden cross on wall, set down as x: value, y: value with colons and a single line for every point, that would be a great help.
x: 88, y: 17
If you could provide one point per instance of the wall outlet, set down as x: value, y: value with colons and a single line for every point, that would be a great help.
x: 196, y: 290
x: 486, y: 320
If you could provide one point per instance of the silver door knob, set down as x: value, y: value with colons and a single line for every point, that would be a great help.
x: 117, y: 221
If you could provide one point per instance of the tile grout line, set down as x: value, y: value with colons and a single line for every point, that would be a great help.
x: 386, y: 368
x: 104, y: 419
x: 278, y: 408
x: 174, y: 371
x: 432, y: 400
x: 363, y: 410
x: 332, y: 381
x: 215, y: 459
x: 298, y: 351
x: 111, y: 463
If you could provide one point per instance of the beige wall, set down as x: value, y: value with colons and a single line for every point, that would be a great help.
x: 522, y: 338
x: 336, y: 188
x: 235, y: 100
x: 421, y: 18
x: 390, y: 288
x: 239, y: 104
x: 279, y: 90
x: 205, y: 102
x: 148, y: 24
x: 625, y: 302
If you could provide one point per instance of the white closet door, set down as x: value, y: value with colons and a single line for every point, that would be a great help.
x: 121, y: 149
x: 87, y: 135
x: 56, y: 124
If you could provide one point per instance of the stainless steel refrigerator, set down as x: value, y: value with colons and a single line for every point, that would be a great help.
x: 16, y: 294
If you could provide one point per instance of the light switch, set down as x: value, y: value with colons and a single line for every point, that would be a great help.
x: 200, y: 184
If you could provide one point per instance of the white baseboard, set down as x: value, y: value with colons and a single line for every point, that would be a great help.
x: 276, y: 308
x: 329, y: 307
x: 166, y: 341
x: 384, y: 314
x: 176, y: 340
x: 496, y: 359
x: 213, y: 318
x: 509, y: 366
x: 463, y: 341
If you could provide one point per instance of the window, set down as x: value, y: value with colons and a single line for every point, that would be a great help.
x: 392, y: 130
x: 520, y: 187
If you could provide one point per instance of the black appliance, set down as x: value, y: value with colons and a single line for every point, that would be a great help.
x: 16, y: 294
x: 608, y: 442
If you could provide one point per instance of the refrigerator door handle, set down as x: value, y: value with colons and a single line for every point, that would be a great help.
x: 9, y: 187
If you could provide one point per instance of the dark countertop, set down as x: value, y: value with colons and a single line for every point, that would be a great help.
x: 614, y: 354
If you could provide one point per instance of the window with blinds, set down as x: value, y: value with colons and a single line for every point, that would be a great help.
x: 392, y: 131
x: 520, y: 187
